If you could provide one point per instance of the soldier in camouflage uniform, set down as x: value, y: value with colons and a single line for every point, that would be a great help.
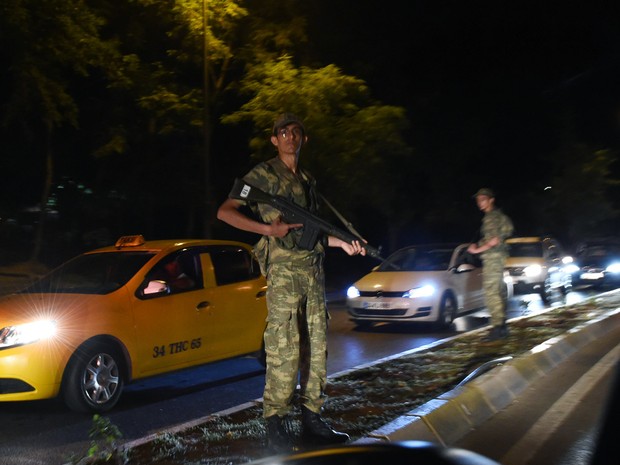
x: 496, y: 228
x: 296, y: 332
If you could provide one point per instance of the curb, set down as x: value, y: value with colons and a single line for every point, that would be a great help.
x: 452, y: 415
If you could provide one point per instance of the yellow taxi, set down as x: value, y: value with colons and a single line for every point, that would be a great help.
x: 129, y: 311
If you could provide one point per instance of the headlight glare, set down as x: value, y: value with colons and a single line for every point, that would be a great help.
x: 424, y: 291
x: 570, y: 269
x: 353, y: 292
x: 532, y: 270
x: 613, y: 268
x: 28, y: 333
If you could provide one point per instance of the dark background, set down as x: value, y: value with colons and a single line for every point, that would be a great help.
x: 493, y: 90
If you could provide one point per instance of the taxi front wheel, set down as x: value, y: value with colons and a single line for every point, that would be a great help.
x: 94, y: 378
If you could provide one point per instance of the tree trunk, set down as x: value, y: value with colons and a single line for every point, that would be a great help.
x: 47, y: 186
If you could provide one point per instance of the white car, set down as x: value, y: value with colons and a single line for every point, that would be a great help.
x: 539, y: 265
x: 430, y: 283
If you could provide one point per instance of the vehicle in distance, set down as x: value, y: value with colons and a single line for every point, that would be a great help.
x: 428, y: 283
x: 598, y: 263
x: 129, y: 311
x: 538, y: 265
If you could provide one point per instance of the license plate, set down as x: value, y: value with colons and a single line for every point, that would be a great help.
x: 377, y: 305
x: 592, y: 276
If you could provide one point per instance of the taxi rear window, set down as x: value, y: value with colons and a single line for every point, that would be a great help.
x: 99, y: 273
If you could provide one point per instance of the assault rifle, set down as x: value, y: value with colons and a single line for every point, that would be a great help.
x: 292, y: 213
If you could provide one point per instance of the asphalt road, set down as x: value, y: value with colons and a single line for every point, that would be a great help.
x: 44, y: 432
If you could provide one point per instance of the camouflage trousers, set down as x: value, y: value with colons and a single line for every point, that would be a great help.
x: 494, y: 289
x: 295, y: 337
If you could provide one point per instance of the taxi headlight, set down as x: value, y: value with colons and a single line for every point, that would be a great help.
x: 532, y: 271
x: 353, y: 292
x: 19, y: 335
x: 424, y: 291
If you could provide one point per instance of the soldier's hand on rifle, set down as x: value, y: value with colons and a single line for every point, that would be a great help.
x: 281, y: 229
x: 353, y: 248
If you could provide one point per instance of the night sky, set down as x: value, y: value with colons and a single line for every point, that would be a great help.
x: 495, y: 60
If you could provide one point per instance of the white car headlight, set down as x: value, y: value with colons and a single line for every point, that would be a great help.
x: 19, y: 335
x: 424, y: 291
x: 613, y: 268
x: 353, y: 292
x: 532, y: 271
x: 570, y: 269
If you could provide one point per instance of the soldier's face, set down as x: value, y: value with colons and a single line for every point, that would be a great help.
x: 289, y: 139
x: 484, y: 202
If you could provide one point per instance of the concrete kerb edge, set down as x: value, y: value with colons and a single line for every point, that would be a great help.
x: 450, y: 416
x: 187, y: 425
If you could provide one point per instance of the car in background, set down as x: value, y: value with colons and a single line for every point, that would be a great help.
x: 598, y: 263
x: 539, y: 265
x: 428, y: 283
x: 129, y: 311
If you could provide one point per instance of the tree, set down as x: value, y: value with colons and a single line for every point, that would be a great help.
x: 576, y: 204
x: 356, y: 145
x: 178, y: 82
x: 54, y: 42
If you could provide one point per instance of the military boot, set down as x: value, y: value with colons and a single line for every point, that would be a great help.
x: 497, y: 332
x: 316, y: 431
x: 278, y: 439
x: 503, y: 330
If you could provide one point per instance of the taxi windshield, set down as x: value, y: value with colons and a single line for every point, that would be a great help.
x: 97, y: 273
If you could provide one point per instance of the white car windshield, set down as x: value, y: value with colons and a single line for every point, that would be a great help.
x: 419, y: 259
x: 525, y: 249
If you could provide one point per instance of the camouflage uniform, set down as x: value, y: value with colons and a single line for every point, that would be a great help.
x: 495, y: 224
x: 296, y: 332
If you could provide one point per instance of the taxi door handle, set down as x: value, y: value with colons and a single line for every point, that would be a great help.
x: 261, y: 294
x: 203, y: 304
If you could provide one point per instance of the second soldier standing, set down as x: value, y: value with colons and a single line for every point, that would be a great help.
x: 496, y: 228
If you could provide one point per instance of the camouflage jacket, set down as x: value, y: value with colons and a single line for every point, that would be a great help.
x: 274, y: 177
x: 495, y: 224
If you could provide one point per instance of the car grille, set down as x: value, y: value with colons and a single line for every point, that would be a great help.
x: 592, y: 269
x: 515, y: 271
x: 421, y: 312
x: 11, y: 386
x: 380, y: 294
x: 372, y: 312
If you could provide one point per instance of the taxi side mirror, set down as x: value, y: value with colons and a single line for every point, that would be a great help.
x: 156, y: 287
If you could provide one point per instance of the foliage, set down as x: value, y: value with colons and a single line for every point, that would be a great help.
x: 114, y: 93
x: 55, y: 41
x: 580, y: 190
x: 356, y: 145
x: 104, y: 441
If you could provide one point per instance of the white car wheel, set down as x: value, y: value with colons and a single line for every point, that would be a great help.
x: 447, y: 311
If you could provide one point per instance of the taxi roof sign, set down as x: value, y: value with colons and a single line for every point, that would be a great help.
x: 130, y: 241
